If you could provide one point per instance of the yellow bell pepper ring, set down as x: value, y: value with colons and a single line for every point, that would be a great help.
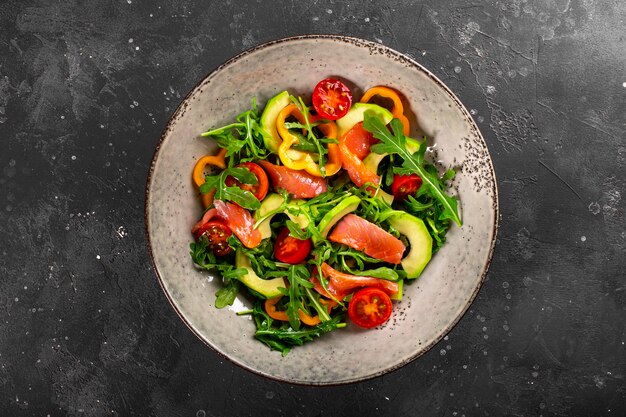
x: 300, y: 160
x: 197, y: 174
x: 397, y: 110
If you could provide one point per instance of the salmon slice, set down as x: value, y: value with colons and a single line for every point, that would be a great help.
x: 352, y: 162
x: 359, y: 141
x: 359, y: 234
x: 300, y: 184
x: 205, y: 218
x: 240, y: 221
x: 341, y: 284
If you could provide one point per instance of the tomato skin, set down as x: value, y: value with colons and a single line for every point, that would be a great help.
x: 217, y: 233
x: 290, y: 250
x: 331, y: 99
x: 369, y: 307
x: 240, y: 222
x: 259, y: 189
x: 405, y: 185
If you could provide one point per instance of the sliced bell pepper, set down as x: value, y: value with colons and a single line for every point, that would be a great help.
x: 270, y: 308
x: 397, y: 110
x: 300, y: 160
x: 198, y: 173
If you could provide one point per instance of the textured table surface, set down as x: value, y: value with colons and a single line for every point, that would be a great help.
x: 86, y: 88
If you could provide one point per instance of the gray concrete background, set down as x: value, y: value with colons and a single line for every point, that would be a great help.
x: 86, y: 88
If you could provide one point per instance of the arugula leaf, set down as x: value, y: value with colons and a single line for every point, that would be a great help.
x: 283, y: 337
x: 382, y: 273
x: 226, y: 295
x: 314, y: 299
x: 312, y: 139
x: 243, y: 140
x: 412, y: 163
x: 296, y: 231
x: 244, y: 198
x: 297, y: 276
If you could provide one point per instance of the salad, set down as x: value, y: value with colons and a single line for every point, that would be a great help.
x: 321, y: 212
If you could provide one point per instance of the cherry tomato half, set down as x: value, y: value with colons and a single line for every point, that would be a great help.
x: 217, y: 233
x: 369, y: 307
x: 259, y: 189
x: 290, y: 250
x: 405, y: 185
x: 331, y: 99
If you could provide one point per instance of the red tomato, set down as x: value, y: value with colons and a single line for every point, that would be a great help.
x: 290, y: 250
x: 369, y: 307
x: 405, y: 185
x: 217, y: 233
x: 240, y: 221
x: 331, y: 99
x: 259, y: 189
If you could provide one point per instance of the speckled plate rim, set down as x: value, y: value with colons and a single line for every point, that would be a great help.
x: 180, y: 110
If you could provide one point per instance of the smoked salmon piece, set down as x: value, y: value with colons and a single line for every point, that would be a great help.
x: 300, y: 184
x: 205, y: 218
x: 359, y: 234
x: 240, y: 221
x: 359, y: 141
x: 341, y: 284
x: 352, y: 145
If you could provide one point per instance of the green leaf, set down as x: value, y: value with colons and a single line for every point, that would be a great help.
x: 242, y: 174
x: 314, y: 299
x: 382, y: 273
x: 244, y: 198
x: 226, y: 295
x: 294, y: 298
x: 295, y: 230
x: 396, y: 144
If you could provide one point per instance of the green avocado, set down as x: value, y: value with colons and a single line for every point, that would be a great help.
x: 337, y: 213
x: 269, y: 288
x: 421, y: 243
x: 270, y: 207
x: 371, y: 161
x: 398, y: 295
x: 357, y: 113
x: 271, y: 138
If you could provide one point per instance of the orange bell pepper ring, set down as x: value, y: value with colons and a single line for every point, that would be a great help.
x: 270, y: 308
x: 397, y: 110
x: 300, y: 160
x: 197, y: 174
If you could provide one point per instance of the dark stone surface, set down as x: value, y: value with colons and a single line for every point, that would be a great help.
x: 85, y: 90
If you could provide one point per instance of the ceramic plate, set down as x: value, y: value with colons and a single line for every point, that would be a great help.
x: 429, y: 308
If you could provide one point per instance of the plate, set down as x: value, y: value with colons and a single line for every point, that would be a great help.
x: 430, y: 307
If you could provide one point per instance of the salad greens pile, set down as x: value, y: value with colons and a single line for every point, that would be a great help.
x: 301, y: 299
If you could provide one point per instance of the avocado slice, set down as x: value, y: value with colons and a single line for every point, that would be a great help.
x: 271, y: 203
x: 420, y: 240
x: 271, y: 138
x: 398, y: 295
x: 269, y: 288
x: 372, y: 161
x: 357, y: 113
x: 346, y: 206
